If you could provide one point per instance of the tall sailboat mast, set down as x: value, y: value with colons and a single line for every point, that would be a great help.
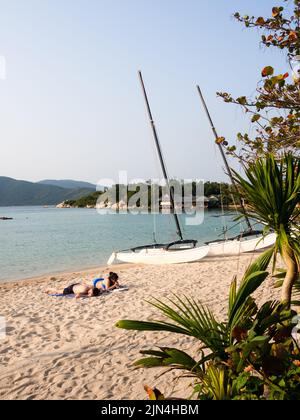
x: 228, y: 169
x: 161, y: 159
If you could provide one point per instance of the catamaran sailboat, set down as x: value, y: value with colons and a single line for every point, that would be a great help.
x: 185, y: 251
x: 181, y: 251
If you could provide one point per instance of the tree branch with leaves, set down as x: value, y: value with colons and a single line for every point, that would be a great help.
x: 275, y: 109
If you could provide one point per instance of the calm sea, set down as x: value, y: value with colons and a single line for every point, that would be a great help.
x: 48, y: 240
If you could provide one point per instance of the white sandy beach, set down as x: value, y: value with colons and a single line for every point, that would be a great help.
x: 60, y: 348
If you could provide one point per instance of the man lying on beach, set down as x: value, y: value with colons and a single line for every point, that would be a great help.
x: 78, y: 289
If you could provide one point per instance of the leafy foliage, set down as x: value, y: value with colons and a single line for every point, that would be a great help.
x: 222, y: 192
x: 85, y: 201
x: 272, y: 190
x: 252, y: 355
x: 251, y: 352
x: 275, y: 110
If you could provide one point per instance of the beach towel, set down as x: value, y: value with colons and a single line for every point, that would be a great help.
x: 121, y: 289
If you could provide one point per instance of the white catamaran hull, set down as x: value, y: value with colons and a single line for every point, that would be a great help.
x: 237, y: 246
x: 161, y: 256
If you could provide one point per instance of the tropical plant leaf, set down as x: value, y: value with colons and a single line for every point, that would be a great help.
x: 256, y: 342
x: 197, y: 319
x: 260, y: 264
x: 216, y: 383
x: 154, y: 394
x: 256, y: 117
x: 267, y: 71
x: 272, y: 191
x: 151, y: 326
x: 150, y: 362
x: 250, y: 283
x: 280, y: 275
x: 241, y: 307
x: 168, y: 357
x: 187, y: 317
x: 232, y: 295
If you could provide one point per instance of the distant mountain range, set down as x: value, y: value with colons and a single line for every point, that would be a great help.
x: 22, y: 193
x: 68, y: 183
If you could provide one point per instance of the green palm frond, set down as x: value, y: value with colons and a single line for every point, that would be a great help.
x: 216, y: 383
x: 189, y: 318
x: 281, y: 273
x: 198, y: 318
x: 171, y: 358
x: 236, y: 299
x: 260, y: 264
x: 272, y: 191
x: 232, y: 295
x: 152, y: 326
x: 248, y: 286
x: 241, y: 305
x: 270, y: 314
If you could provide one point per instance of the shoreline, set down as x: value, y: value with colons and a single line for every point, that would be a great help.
x: 41, y: 278
x: 92, y: 270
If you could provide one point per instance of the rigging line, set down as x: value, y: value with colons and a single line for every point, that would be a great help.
x: 236, y: 210
x: 155, y: 191
x: 154, y: 229
x: 235, y: 225
x: 160, y: 155
x: 241, y: 231
x: 157, y: 215
x: 238, y: 262
x: 229, y: 229
x: 225, y: 228
x: 229, y: 171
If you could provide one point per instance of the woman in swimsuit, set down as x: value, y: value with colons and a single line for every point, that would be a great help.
x: 108, y: 283
x: 78, y: 289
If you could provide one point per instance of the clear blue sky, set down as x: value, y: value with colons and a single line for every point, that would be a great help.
x: 71, y: 106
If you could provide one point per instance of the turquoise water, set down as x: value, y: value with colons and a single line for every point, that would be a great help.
x: 48, y: 240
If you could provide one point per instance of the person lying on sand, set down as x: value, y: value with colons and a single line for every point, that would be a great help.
x: 78, y: 289
x: 108, y: 283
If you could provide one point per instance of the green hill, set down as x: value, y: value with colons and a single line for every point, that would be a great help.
x: 85, y: 201
x: 22, y: 193
x: 68, y: 183
x: 215, y: 192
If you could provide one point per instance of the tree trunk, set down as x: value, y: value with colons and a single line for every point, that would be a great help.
x: 291, y: 275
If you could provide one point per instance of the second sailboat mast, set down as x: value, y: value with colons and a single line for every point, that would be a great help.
x: 228, y: 169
